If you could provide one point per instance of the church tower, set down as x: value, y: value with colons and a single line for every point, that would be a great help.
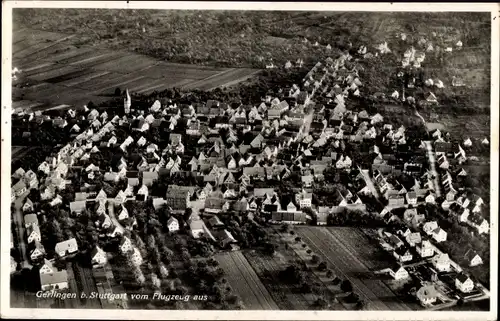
x: 127, y: 102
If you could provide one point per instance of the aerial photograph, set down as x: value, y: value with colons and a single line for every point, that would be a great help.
x: 250, y: 160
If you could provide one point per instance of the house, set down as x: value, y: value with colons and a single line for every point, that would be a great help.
x: 226, y: 238
x: 441, y: 262
x: 37, y: 252
x: 77, y: 206
x: 464, y: 283
x: 395, y: 200
x: 51, y: 278
x: 425, y: 249
x: 395, y: 241
x: 429, y: 227
x: 172, y: 224
x: 31, y: 179
x: 98, y: 256
x: 136, y: 257
x: 28, y: 206
x: 178, y: 197
x: 439, y: 235
x: 427, y: 295
x: 197, y: 228
x: 142, y: 193
x: 30, y: 220
x: 473, y: 258
x: 125, y: 245
x: 403, y: 254
x: 67, y: 247
x: 304, y: 199
x: 33, y: 233
x: 398, y: 272
x: 411, y: 198
x: 123, y: 214
x: 307, y: 180
x: 413, y: 238
x: 19, y: 188
x: 479, y: 223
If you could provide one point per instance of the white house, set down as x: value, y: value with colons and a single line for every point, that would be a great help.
x: 197, y: 228
x: 429, y: 227
x: 34, y: 234
x: 67, y: 247
x: 51, y: 278
x: 464, y: 283
x: 98, y: 256
x: 398, y: 272
x: 425, y: 249
x: 441, y: 263
x: 125, y: 245
x: 123, y: 214
x: 172, y: 224
x: 439, y: 235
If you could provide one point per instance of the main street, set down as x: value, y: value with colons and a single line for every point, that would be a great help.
x: 21, y: 231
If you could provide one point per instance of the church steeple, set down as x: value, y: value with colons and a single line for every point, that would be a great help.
x: 127, y: 102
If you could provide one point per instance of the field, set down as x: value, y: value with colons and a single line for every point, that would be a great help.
x: 475, y: 126
x: 56, y: 71
x: 245, y: 282
x: 351, y: 256
x: 19, y: 151
x: 287, y: 296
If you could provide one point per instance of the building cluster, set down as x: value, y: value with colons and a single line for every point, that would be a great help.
x: 230, y: 159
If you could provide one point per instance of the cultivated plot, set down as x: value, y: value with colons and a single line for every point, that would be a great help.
x: 346, y: 258
x: 245, y: 281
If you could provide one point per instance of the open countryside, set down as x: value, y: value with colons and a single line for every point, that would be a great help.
x: 57, y: 71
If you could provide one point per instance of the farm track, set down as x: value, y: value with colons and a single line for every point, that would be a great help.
x: 344, y: 262
x: 245, y: 282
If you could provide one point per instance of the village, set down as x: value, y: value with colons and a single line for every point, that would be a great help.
x: 188, y: 176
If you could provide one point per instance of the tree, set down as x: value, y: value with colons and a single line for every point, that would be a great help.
x: 315, y: 259
x: 163, y: 271
x: 346, y: 286
x: 118, y: 91
x: 322, y: 304
x: 329, y: 274
x: 298, y: 239
x: 322, y: 266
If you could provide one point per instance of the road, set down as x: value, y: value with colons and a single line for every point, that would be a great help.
x: 342, y: 259
x: 19, y: 221
x: 369, y: 183
x: 306, y: 126
x: 432, y: 161
x: 111, y: 211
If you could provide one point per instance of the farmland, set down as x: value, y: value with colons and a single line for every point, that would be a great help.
x: 288, y: 296
x: 348, y: 252
x: 57, y: 71
x: 243, y: 279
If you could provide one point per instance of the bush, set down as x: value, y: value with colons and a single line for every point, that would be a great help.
x: 322, y: 266
x: 346, y: 286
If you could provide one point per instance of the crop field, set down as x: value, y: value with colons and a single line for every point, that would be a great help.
x: 351, y: 256
x: 55, y: 70
x: 19, y: 152
x: 245, y: 281
x: 287, y: 296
